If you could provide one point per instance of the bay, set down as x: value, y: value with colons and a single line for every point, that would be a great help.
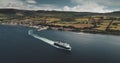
x: 16, y: 46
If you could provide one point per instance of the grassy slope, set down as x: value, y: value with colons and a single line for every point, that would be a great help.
x: 81, y: 19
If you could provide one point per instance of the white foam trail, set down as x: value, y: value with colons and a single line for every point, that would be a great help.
x: 50, y: 42
x: 30, y: 32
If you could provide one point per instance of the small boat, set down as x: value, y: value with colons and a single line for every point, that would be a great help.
x: 42, y: 28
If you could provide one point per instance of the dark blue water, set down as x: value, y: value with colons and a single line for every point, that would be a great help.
x: 16, y: 46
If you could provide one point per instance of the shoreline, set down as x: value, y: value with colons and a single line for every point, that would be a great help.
x: 91, y: 31
x: 95, y: 32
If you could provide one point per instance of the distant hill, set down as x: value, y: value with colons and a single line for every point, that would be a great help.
x: 54, y: 13
x: 116, y: 12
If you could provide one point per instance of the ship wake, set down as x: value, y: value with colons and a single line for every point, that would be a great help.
x: 48, y: 41
x: 30, y: 32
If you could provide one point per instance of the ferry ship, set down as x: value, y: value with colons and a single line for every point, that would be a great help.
x: 62, y: 45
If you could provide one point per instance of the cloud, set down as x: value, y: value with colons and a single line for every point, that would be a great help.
x: 12, y: 4
x: 96, y: 5
x: 26, y: 4
x: 31, y: 1
x: 49, y: 7
x: 67, y: 8
x: 17, y: 4
x: 100, y: 6
x: 92, y: 7
x: 102, y: 2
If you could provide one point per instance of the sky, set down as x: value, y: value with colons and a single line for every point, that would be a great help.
x: 100, y: 6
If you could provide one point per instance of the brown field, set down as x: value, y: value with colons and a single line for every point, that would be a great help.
x: 82, y: 25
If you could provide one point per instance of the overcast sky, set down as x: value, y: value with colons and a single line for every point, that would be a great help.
x: 100, y: 6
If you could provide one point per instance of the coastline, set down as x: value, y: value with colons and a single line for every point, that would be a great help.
x: 91, y: 31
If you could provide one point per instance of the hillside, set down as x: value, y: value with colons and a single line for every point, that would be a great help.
x: 54, y: 13
x: 62, y: 20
